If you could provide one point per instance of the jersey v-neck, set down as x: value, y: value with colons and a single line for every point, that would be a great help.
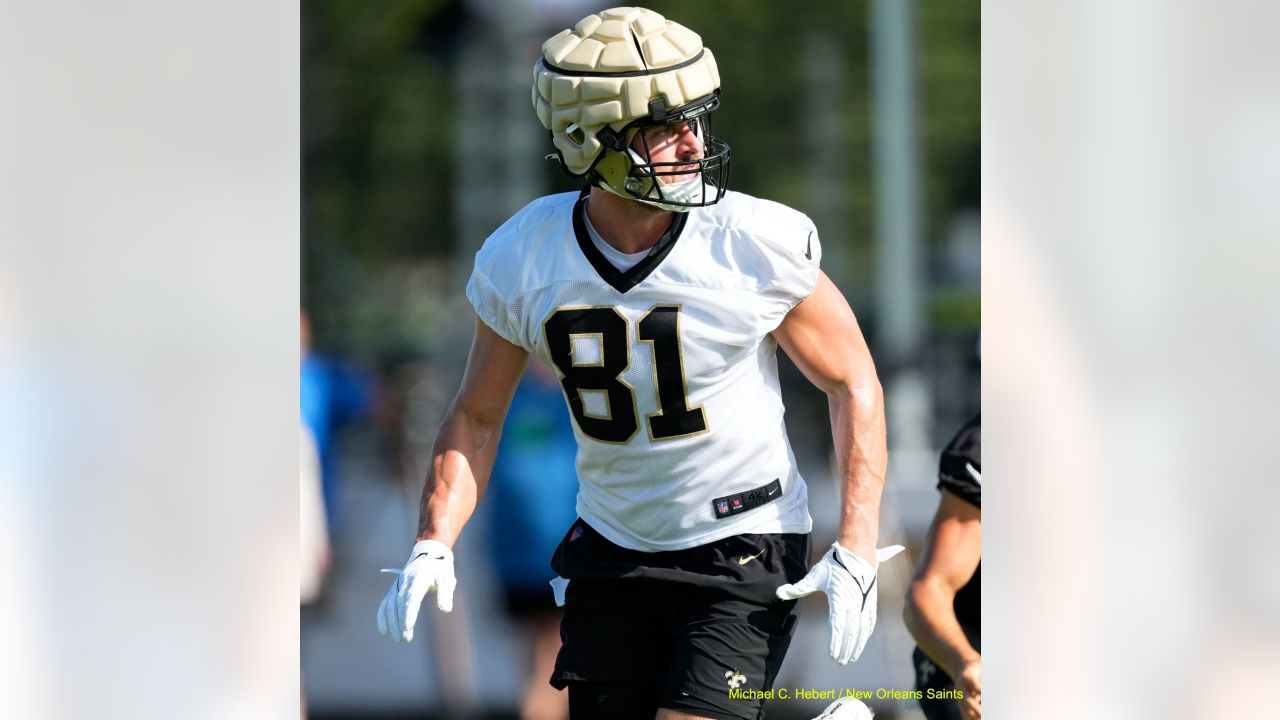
x: 617, y: 258
x: 621, y: 280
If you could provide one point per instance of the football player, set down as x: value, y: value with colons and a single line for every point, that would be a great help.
x: 943, y: 608
x: 661, y: 297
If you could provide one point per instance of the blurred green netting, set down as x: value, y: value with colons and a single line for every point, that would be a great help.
x: 379, y: 129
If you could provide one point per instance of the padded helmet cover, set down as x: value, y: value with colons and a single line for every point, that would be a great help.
x: 605, y: 72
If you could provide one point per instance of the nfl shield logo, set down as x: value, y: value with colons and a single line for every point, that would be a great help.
x: 577, y: 533
x: 722, y: 507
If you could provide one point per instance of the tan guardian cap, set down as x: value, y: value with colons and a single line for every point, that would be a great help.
x: 612, y: 73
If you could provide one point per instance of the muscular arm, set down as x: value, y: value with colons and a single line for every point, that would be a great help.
x: 468, y: 438
x: 951, y: 554
x: 822, y: 337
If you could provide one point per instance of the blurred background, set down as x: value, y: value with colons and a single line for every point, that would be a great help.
x: 149, y: 248
x: 419, y: 139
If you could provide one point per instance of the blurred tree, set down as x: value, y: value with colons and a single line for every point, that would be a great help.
x: 376, y: 156
x: 950, y: 36
x: 378, y: 127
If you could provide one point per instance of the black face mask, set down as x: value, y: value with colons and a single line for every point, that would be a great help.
x: 681, y: 182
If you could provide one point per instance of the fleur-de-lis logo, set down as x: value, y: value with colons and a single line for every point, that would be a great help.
x: 927, y: 669
x: 735, y: 678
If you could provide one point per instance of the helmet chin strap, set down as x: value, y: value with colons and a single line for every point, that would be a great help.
x: 685, y: 191
x: 689, y: 191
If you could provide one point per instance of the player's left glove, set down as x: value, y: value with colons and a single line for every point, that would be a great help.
x: 850, y: 585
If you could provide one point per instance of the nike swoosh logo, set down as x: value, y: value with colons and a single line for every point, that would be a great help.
x: 808, y: 246
x: 415, y: 557
x: 748, y: 558
x: 974, y: 472
x: 772, y: 492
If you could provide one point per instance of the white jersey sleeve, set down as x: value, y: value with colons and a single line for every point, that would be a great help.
x: 776, y: 247
x: 493, y: 309
x: 791, y: 253
x: 500, y: 280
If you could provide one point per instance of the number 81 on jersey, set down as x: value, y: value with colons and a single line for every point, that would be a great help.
x: 660, y: 330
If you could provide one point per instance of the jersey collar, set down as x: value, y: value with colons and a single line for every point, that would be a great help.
x: 620, y: 280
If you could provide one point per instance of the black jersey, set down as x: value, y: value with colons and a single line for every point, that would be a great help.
x: 960, y: 472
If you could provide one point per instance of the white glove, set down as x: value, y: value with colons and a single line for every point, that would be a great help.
x: 430, y: 567
x: 850, y: 585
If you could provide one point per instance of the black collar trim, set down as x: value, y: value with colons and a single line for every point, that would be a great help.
x: 623, y: 281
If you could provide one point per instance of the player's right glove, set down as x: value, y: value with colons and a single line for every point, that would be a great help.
x: 850, y: 585
x: 430, y: 567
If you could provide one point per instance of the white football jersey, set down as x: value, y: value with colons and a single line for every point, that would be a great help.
x: 668, y: 368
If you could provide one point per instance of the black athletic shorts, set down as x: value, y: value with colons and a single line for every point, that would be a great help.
x: 525, y: 603
x: 931, y: 677
x: 677, y: 630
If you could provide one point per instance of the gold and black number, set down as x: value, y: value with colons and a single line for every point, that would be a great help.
x: 602, y: 374
x: 660, y: 327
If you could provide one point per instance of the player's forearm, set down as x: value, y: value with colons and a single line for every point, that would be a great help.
x: 858, y: 430
x: 463, y: 458
x: 930, y: 617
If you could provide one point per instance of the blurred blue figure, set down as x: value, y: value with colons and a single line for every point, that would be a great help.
x: 331, y: 396
x: 532, y: 495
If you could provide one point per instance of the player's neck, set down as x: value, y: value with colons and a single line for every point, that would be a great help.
x: 626, y: 225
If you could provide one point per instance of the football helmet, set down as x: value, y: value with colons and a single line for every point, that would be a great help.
x: 600, y: 84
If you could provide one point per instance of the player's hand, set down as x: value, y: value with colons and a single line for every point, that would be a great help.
x: 430, y: 567
x: 850, y: 585
x: 969, y: 681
